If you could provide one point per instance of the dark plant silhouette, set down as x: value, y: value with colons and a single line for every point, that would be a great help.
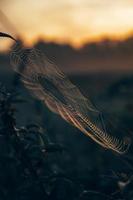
x: 25, y: 151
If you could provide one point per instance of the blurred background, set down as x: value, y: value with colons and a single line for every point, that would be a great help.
x: 92, y: 42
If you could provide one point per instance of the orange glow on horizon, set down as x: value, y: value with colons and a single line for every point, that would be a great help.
x: 30, y: 41
x: 79, y: 42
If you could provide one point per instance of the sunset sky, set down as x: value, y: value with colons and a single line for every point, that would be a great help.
x: 72, y: 21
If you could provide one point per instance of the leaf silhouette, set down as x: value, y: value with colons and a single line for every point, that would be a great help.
x: 7, y: 36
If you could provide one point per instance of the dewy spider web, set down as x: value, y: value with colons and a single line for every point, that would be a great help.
x: 45, y: 81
